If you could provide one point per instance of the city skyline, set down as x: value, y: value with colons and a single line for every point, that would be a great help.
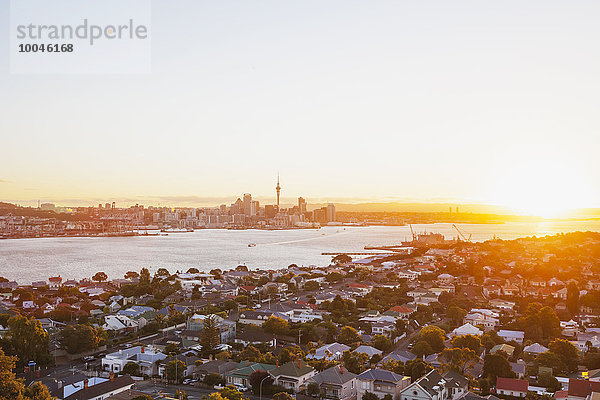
x: 351, y: 105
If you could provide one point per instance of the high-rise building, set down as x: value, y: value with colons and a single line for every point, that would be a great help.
x: 247, y: 204
x: 301, y: 205
x: 330, y: 212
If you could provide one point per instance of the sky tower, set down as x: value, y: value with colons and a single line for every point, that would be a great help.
x: 278, y: 189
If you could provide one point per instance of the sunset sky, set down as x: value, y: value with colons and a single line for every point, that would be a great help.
x: 466, y: 101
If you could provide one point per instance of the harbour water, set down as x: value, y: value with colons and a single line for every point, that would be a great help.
x: 27, y: 260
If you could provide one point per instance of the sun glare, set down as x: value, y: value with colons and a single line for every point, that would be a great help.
x: 545, y: 189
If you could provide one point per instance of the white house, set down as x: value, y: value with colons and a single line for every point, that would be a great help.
x: 144, y: 357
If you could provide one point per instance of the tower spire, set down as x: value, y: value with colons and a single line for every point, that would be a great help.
x: 278, y: 189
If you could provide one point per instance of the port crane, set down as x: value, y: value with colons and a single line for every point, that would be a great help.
x: 414, y: 237
x: 462, y: 235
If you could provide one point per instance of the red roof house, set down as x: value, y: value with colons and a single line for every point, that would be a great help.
x: 512, y: 387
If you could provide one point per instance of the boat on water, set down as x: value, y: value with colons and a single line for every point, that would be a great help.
x: 177, y: 230
x: 252, y: 245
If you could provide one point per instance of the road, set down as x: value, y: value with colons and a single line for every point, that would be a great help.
x: 194, y: 393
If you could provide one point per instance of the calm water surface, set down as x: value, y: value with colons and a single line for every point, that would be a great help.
x: 27, y: 260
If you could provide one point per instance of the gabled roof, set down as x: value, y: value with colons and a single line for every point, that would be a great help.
x: 433, y: 382
x: 334, y: 375
x: 582, y: 388
x: 292, y: 368
x: 535, y: 348
x: 378, y: 374
x: 368, y: 350
x: 102, y: 388
x: 515, y: 385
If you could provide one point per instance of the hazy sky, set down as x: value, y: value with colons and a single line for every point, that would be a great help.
x: 464, y: 100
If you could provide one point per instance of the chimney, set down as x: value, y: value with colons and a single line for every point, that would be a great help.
x: 247, y: 362
x: 112, y: 376
x: 341, y: 370
x: 299, y: 362
x: 26, y: 369
x: 85, y: 384
x: 143, y: 349
x: 59, y: 384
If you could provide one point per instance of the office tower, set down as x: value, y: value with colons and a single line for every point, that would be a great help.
x: 330, y: 212
x: 301, y: 205
x: 247, y: 204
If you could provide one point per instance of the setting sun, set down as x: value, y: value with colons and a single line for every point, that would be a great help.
x: 541, y: 187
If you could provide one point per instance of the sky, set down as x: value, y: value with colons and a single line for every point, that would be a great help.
x: 463, y: 101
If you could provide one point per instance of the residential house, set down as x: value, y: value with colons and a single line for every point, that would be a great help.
x: 217, y: 367
x: 466, y: 329
x: 581, y: 389
x: 227, y: 328
x: 432, y: 386
x: 241, y: 375
x: 336, y: 383
x: 368, y: 350
x: 509, y: 335
x: 381, y: 382
x: 456, y: 384
x: 102, y: 390
x: 512, y: 387
x: 293, y: 375
x: 331, y: 351
x: 144, y: 357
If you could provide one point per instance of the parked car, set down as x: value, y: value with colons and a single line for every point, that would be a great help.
x: 218, y: 386
x: 88, y: 358
x: 240, y: 387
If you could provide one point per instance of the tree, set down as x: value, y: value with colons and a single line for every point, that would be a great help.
x: 458, y: 359
x: 333, y: 277
x: 12, y: 388
x: 26, y: 339
x: 348, y: 336
x: 422, y: 348
x: 282, y: 396
x: 131, y: 368
x: 241, y: 268
x: 369, y: 396
x: 257, y: 378
x: 552, y: 360
x: 341, y: 259
x: 213, y: 379
x: 312, y: 286
x: 490, y: 339
x: 355, y: 362
x: 434, y: 336
x: 567, y: 352
x: 231, y: 393
x: 79, y: 338
x: 313, y: 389
x: 467, y: 342
x: 546, y: 380
x: 193, y: 270
x: 416, y: 368
x: 456, y: 314
x: 494, y: 366
x: 276, y: 325
x: 290, y: 353
x: 215, y: 396
x: 175, y: 370
x: 131, y: 275
x: 573, y: 298
x: 181, y: 395
x: 382, y: 343
x: 100, y: 277
x: 210, y: 335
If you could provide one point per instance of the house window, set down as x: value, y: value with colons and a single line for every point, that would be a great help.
x: 365, y: 385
